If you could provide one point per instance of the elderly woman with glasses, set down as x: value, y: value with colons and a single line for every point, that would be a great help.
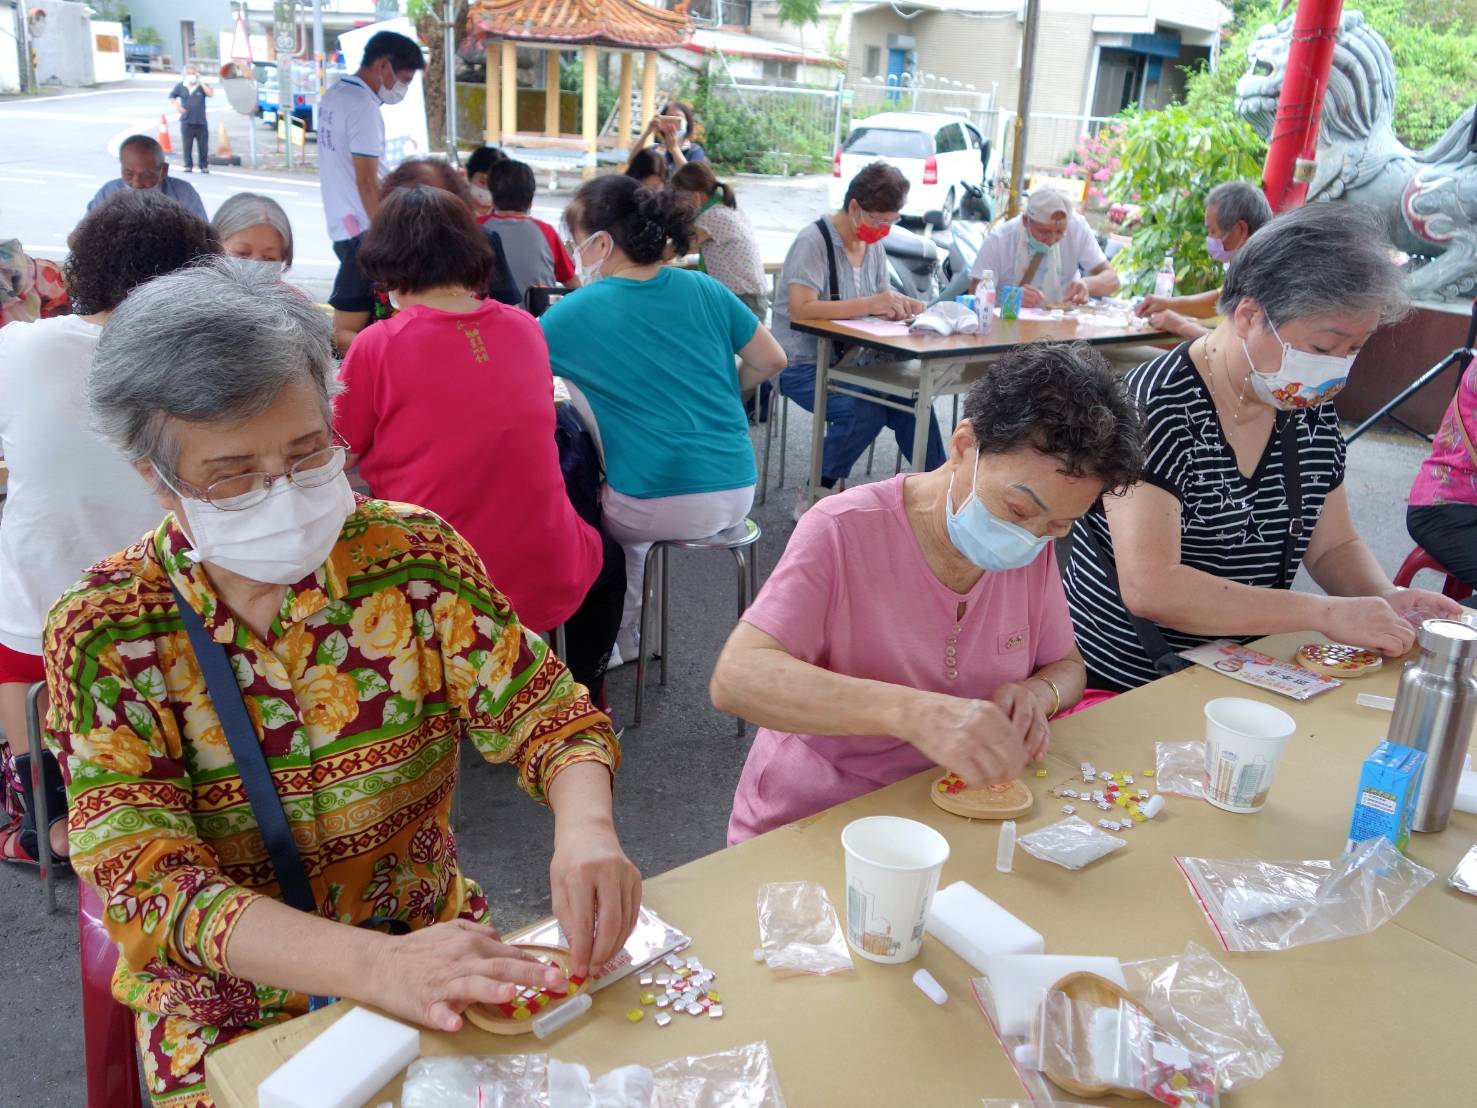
x: 352, y: 643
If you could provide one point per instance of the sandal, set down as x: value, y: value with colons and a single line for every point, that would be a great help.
x: 17, y: 847
x: 13, y: 846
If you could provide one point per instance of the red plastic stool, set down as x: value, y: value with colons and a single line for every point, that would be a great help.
x: 1418, y: 559
x: 107, y: 1027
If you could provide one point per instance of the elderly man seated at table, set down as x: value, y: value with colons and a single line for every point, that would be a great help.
x: 1049, y: 251
x: 921, y: 621
x: 281, y: 654
x: 142, y: 165
x: 1244, y: 469
x: 1234, y: 211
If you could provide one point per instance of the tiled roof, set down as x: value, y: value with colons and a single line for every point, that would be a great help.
x: 617, y: 23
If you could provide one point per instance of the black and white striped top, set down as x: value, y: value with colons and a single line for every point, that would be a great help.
x: 1230, y: 525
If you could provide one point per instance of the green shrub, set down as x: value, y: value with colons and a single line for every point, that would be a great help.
x: 1170, y: 159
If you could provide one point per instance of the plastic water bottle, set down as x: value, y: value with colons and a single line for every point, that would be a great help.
x: 1164, y: 279
x: 984, y: 304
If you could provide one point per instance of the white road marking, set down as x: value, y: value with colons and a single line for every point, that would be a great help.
x: 23, y: 168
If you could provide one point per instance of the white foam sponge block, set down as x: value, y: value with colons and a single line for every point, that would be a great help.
x: 974, y: 927
x: 1019, y: 982
x: 344, y: 1066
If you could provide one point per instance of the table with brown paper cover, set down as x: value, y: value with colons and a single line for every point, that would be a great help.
x: 917, y: 369
x: 1382, y: 1019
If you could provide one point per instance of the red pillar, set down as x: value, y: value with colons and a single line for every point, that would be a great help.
x: 1294, y: 144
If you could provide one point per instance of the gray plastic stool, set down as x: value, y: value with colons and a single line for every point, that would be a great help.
x: 741, y: 541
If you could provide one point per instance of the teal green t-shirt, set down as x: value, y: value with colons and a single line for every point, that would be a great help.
x: 655, y: 360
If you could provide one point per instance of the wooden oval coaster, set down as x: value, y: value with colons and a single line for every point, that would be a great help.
x: 1063, y: 1068
x: 517, y: 1015
x: 989, y: 802
x: 1338, y: 660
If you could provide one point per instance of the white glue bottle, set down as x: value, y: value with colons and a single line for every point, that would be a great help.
x: 984, y: 303
x: 1164, y: 279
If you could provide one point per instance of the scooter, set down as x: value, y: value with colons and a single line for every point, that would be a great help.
x: 914, y: 261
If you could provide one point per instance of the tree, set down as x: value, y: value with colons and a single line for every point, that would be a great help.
x: 799, y: 12
x: 431, y: 28
x: 147, y: 36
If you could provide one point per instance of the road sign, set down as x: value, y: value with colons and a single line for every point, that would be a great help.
x: 285, y: 26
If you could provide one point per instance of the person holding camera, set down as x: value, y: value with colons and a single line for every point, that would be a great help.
x: 188, y: 98
x: 671, y: 132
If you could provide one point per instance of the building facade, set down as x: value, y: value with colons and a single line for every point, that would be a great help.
x: 1093, y: 57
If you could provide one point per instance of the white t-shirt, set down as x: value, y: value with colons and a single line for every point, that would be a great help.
x: 349, y: 123
x: 73, y: 499
x: 1003, y: 251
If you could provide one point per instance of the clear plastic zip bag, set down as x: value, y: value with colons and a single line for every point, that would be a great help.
x: 1180, y: 768
x: 1207, y: 1008
x: 1255, y: 905
x: 799, y: 930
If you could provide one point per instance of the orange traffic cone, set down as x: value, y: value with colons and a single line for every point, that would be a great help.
x: 163, y: 135
x: 223, y: 143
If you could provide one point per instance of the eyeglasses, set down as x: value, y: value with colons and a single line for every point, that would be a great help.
x: 246, y: 490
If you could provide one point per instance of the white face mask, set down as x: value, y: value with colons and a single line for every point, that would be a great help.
x: 395, y: 93
x: 279, y: 541
x: 191, y: 79
x: 587, y: 274
x: 1303, y: 380
x: 273, y: 270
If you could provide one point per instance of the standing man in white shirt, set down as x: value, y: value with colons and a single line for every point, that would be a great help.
x: 1050, y: 251
x: 351, y: 149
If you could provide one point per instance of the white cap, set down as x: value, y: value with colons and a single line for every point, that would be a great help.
x: 1043, y: 203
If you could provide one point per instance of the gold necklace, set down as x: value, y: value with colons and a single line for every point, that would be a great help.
x: 1240, y: 398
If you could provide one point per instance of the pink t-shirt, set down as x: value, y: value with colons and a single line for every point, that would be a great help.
x: 455, y: 412
x: 1449, y: 474
x: 853, y: 594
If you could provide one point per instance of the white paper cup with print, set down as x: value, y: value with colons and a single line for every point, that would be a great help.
x: 892, y: 871
x: 1244, y: 741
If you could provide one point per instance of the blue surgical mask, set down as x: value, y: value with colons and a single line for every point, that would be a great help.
x: 989, y: 542
x: 1036, y: 246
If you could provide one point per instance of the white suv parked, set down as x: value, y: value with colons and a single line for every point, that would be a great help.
x: 938, y: 153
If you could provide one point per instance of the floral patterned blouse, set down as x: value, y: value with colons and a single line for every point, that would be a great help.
x: 1449, y: 473
x: 374, y: 669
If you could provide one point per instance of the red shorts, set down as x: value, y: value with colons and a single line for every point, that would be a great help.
x: 20, y: 669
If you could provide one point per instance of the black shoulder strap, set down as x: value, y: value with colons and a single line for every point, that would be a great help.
x: 1292, y: 483
x: 256, y: 778
x: 251, y: 763
x: 835, y: 283
x: 1164, y: 658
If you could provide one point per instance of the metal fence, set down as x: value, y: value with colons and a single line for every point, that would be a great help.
x: 1051, y: 139
x: 773, y: 128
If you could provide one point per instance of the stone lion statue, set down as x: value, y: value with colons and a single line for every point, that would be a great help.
x: 1429, y: 197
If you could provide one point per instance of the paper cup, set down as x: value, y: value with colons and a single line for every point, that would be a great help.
x: 892, y: 872
x: 1244, y: 740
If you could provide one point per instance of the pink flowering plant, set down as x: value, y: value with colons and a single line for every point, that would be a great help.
x: 1096, y: 158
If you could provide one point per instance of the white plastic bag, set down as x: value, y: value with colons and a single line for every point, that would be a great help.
x: 743, y: 1077
x: 1180, y: 768
x: 799, y: 931
x: 1207, y: 1008
x: 1257, y: 905
x: 496, y: 1081
x: 1070, y: 842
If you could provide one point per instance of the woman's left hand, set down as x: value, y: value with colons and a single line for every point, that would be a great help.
x: 596, y: 894
x: 1020, y: 703
x: 1418, y: 605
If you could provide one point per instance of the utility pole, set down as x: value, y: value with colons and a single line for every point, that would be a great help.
x: 448, y: 24
x: 23, y: 46
x: 1023, y: 106
x: 318, y: 41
